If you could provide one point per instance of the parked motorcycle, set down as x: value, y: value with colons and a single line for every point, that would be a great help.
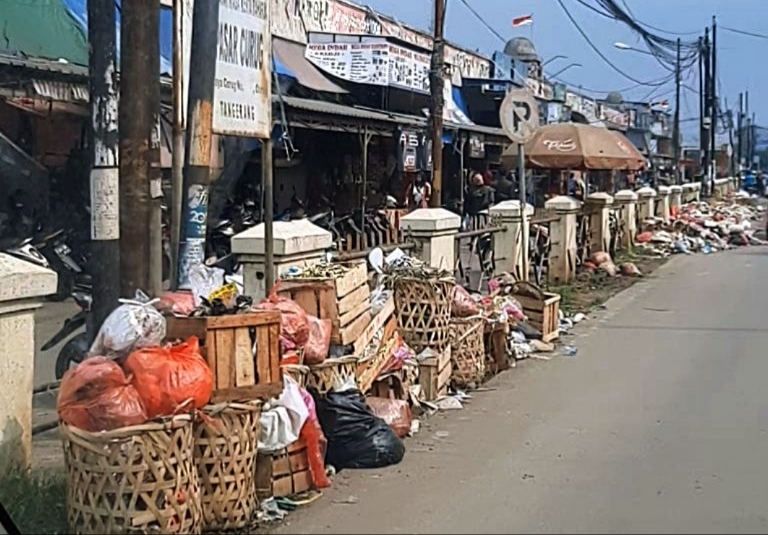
x: 76, y: 348
x: 61, y: 258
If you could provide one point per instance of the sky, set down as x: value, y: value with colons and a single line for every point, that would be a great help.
x: 740, y: 59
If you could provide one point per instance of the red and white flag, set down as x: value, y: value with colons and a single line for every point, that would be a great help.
x: 526, y: 20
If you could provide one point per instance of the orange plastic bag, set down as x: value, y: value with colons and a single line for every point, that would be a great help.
x: 312, y: 435
x: 396, y: 412
x: 319, y: 343
x: 171, y: 378
x: 294, y: 325
x: 97, y: 396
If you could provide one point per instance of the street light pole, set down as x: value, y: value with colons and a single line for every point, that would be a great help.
x: 676, y: 128
x: 561, y: 71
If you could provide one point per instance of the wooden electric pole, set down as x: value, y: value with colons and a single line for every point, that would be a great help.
x: 715, y: 104
x: 105, y: 177
x: 197, y: 155
x: 177, y: 162
x: 437, y: 86
x: 139, y: 69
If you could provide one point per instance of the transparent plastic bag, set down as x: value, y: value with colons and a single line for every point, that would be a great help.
x: 132, y: 325
x: 204, y: 281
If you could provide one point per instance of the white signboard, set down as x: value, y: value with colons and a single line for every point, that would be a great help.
x: 242, y: 96
x: 374, y: 62
x: 519, y: 115
x: 362, y: 63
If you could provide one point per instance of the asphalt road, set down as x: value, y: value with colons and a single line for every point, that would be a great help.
x: 658, y: 424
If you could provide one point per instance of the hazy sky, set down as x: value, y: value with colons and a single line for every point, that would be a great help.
x: 741, y: 59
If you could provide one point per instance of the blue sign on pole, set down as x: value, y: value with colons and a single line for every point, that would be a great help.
x: 192, y: 247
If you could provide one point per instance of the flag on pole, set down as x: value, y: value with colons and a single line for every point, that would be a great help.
x: 522, y: 21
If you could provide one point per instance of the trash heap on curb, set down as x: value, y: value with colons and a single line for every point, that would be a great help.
x: 207, y: 411
x: 701, y: 227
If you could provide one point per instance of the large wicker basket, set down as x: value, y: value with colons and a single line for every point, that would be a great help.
x: 139, y: 479
x: 423, y: 308
x: 226, y: 445
x: 333, y: 374
x: 297, y: 372
x: 467, y: 351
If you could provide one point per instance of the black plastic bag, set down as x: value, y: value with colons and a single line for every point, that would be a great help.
x: 356, y: 438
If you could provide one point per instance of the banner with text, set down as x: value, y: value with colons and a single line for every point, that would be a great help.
x: 374, y: 62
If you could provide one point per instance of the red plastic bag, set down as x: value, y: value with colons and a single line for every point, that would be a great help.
x: 97, y: 396
x: 171, y: 378
x: 312, y: 435
x: 463, y: 306
x: 319, y: 343
x: 294, y: 325
x: 396, y: 412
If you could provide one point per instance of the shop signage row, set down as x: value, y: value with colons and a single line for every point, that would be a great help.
x: 414, y: 151
x: 295, y: 19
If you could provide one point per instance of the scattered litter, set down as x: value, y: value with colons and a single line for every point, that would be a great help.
x: 449, y: 403
x: 570, y: 351
x: 349, y: 500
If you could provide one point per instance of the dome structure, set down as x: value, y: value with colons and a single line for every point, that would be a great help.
x: 614, y: 97
x: 521, y: 48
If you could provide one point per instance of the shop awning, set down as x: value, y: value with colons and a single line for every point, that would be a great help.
x: 290, y: 61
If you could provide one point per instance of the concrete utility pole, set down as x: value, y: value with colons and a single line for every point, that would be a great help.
x: 437, y: 85
x: 676, y: 128
x: 197, y: 176
x: 702, y: 108
x: 177, y: 163
x: 104, y: 180
x: 139, y: 70
x: 740, y: 126
x: 709, y: 123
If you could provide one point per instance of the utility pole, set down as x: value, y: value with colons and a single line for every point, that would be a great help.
x: 740, y: 126
x: 267, y: 171
x: 676, y: 128
x: 437, y: 85
x: 138, y: 39
x: 177, y: 162
x: 702, y: 107
x: 715, y: 103
x: 104, y: 177
x: 707, y: 112
x: 155, y: 286
x: 197, y: 156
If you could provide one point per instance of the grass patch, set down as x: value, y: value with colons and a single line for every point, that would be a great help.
x: 36, y: 501
x: 567, y: 296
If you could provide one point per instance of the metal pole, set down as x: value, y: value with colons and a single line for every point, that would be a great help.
x: 177, y: 162
x: 137, y: 32
x: 197, y: 156
x: 461, y: 172
x: 437, y: 85
x: 365, y: 139
x: 104, y: 176
x: 523, y: 204
x: 740, y: 126
x: 269, y: 215
x: 676, y: 129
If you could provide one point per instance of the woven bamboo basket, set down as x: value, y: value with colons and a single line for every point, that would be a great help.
x: 423, y: 309
x: 226, y: 445
x: 297, y: 372
x: 332, y: 374
x: 467, y: 351
x: 139, y: 479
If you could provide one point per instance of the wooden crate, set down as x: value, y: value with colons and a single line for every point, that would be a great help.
x: 393, y: 385
x: 544, y: 314
x: 242, y: 350
x: 283, y: 473
x: 344, y: 300
x: 435, y: 375
x: 496, y: 347
x: 369, y: 369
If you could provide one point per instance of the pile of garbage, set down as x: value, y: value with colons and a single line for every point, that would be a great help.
x: 701, y: 227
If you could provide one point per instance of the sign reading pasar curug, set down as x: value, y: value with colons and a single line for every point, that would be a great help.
x: 242, y: 96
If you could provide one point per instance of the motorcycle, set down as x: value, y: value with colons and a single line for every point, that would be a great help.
x: 62, y: 260
x: 76, y: 348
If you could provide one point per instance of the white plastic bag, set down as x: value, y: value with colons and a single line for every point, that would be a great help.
x: 132, y: 325
x: 204, y: 280
x: 281, y: 423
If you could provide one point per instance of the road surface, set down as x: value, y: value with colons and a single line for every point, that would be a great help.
x: 658, y: 424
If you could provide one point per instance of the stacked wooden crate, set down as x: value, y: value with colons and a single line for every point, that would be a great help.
x: 345, y: 300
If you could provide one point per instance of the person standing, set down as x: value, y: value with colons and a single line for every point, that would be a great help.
x: 419, y: 193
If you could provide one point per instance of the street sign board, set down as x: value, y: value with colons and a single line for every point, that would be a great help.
x: 242, y: 97
x: 519, y: 115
